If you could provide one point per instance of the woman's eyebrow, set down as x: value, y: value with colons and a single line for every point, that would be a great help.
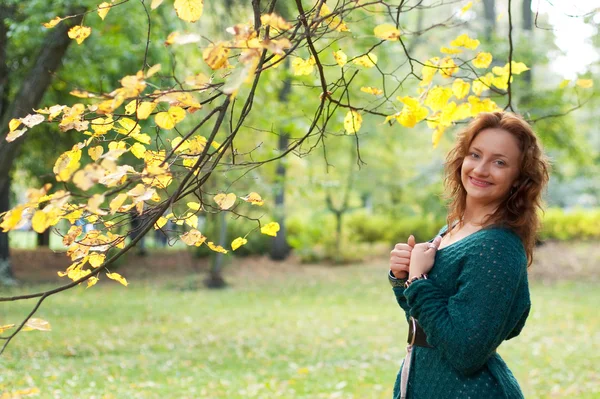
x: 494, y: 155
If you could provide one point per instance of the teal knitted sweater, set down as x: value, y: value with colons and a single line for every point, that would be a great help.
x: 476, y: 296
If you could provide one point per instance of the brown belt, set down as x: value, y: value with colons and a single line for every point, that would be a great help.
x: 416, y: 335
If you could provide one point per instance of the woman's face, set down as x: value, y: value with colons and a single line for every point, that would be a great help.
x: 491, y: 166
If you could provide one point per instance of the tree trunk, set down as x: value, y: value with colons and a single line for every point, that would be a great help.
x: 489, y: 7
x: 215, y: 277
x: 528, y: 31
x: 281, y: 249
x: 29, y: 97
x: 6, y: 274
x: 43, y: 239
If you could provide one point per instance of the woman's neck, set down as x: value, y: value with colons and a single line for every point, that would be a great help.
x: 476, y: 213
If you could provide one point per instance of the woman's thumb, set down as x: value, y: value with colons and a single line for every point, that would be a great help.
x: 437, y: 241
x: 411, y: 241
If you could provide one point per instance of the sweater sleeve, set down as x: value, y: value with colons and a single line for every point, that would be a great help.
x: 398, y: 288
x: 468, y: 326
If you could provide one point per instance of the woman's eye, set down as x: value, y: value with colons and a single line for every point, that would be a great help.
x: 474, y: 155
x: 501, y: 163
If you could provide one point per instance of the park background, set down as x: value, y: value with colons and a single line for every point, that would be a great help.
x: 308, y: 314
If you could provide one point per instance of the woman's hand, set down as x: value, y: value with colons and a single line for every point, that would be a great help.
x: 422, y: 257
x: 400, y: 258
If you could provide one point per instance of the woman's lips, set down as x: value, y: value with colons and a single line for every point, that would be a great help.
x: 479, y: 183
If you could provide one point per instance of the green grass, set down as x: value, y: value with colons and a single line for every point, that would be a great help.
x: 310, y: 333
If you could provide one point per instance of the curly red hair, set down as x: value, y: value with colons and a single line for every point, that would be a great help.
x: 519, y: 210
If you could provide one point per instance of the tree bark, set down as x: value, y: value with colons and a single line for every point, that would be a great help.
x: 29, y: 97
x: 528, y: 31
x: 43, y: 239
x: 6, y: 273
x: 215, y: 276
x: 489, y: 7
x: 281, y: 249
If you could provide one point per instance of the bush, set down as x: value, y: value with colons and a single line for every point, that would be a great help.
x: 258, y: 243
x: 314, y: 240
x: 576, y: 224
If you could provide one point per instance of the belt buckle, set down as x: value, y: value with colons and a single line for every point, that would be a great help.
x: 412, y: 330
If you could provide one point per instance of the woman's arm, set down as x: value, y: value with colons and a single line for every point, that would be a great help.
x: 468, y: 326
x: 398, y: 287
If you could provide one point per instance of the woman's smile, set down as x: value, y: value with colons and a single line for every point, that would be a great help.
x: 478, y: 182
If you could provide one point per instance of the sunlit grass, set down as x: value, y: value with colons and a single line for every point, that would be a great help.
x: 311, y: 333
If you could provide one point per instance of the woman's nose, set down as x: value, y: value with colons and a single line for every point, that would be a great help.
x: 482, y: 168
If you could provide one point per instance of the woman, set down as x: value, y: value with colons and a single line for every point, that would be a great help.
x: 466, y: 291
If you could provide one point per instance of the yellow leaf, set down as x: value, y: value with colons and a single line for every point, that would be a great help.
x: 302, y: 67
x: 483, y: 60
x: 465, y: 41
x: 450, y: 51
x: 340, y: 57
x: 145, y: 109
x: 585, y: 83
x: 564, y: 83
x: 225, y: 201
x: 270, y: 229
x: 191, y: 220
x: 447, y: 67
x: 437, y: 135
x: 39, y: 221
x: 155, y: 4
x: 238, y: 242
x: 371, y: 90
x: 79, y: 33
x: 429, y: 70
x: 216, y: 248
x: 275, y: 21
x: 386, y: 32
x: 138, y: 150
x: 95, y: 152
x: 6, y: 327
x: 193, y: 206
x: 96, y: 259
x: 160, y: 222
x: 13, y: 124
x: 94, y: 203
x: 352, y: 122
x: 367, y: 60
x: 466, y: 8
x: 116, y: 202
x: 53, y: 22
x: 517, y: 68
x: 438, y: 97
x: 253, y: 198
x: 168, y: 120
x: 334, y: 22
x: 32, y: 120
x: 66, y: 164
x: 72, y: 234
x: 460, y: 88
x: 216, y: 55
x: 12, y: 218
x: 81, y: 94
x: 103, y: 9
x: 92, y: 281
x: 412, y: 113
x: 153, y: 70
x: 36, y: 324
x: 193, y: 237
x: 15, y: 134
x: 189, y: 10
x: 130, y: 107
x: 117, y: 277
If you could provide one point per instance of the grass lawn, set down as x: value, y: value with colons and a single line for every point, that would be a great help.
x: 304, y: 332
